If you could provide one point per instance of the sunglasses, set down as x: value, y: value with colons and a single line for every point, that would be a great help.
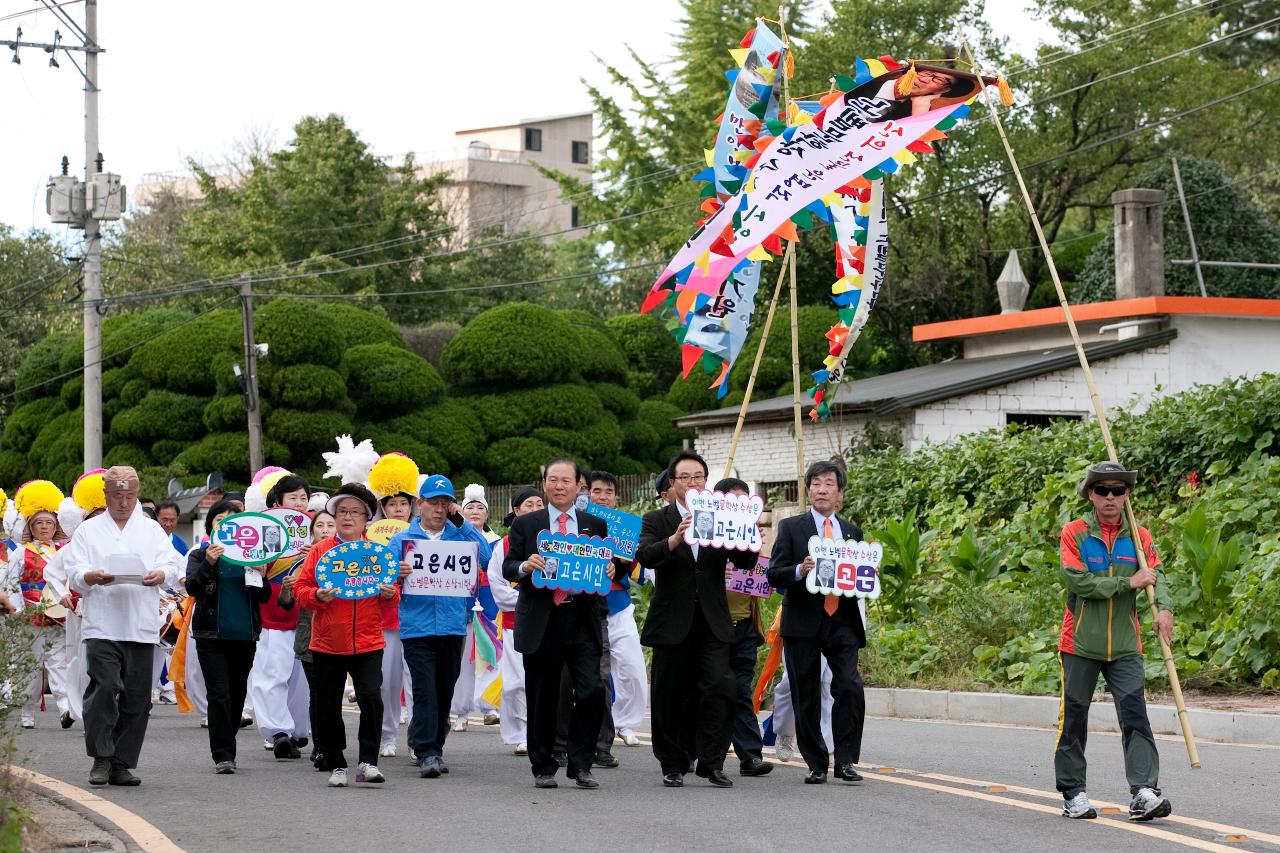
x: 1104, y: 491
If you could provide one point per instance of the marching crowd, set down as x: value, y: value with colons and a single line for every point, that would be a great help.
x: 120, y: 612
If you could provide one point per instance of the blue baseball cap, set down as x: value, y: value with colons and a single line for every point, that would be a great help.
x: 436, y: 486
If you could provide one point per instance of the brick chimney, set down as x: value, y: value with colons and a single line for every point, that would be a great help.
x: 1139, y: 238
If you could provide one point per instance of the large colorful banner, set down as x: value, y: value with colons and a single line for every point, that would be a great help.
x: 574, y: 563
x: 251, y: 538
x: 355, y: 570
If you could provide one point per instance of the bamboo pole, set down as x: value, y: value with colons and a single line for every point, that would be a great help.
x: 1098, y: 409
x: 755, y: 368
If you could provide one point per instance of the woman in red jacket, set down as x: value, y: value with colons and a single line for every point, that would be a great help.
x: 346, y: 639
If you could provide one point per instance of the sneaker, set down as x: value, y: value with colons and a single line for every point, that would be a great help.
x: 204, y: 722
x: 522, y: 749
x: 388, y: 750
x: 628, y: 737
x: 491, y: 719
x: 338, y: 778
x: 1148, y: 805
x: 1079, y: 807
x: 167, y: 699
x: 122, y: 776
x: 351, y: 695
x: 404, y: 716
x: 785, y: 748
x: 224, y: 768
x: 100, y: 772
x: 429, y: 767
x: 366, y: 772
x: 28, y: 722
x: 460, y: 724
x: 604, y: 759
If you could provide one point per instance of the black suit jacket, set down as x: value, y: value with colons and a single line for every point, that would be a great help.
x: 803, y: 611
x: 678, y: 576
x: 533, y: 608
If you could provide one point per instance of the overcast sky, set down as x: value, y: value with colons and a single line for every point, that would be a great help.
x: 182, y: 79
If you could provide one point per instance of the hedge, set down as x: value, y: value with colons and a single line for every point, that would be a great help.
x: 180, y: 359
x: 113, y: 381
x: 310, y: 386
x: 517, y: 413
x: 600, y: 360
x: 519, y: 460
x: 37, y: 371
x: 298, y: 332
x: 228, y: 452
x: 452, y: 426
x: 60, y: 442
x: 160, y: 414
x: 511, y: 345
x: 641, y: 440
x: 385, y: 379
x: 651, y: 353
x: 130, y: 454
x: 25, y: 422
x: 622, y: 402
x: 692, y: 394
x: 358, y: 326
x: 166, y: 450
x: 306, y: 433
x: 659, y: 414
x: 598, y: 442
x: 428, y: 458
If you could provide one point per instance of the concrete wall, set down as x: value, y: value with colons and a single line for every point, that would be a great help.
x: 1209, y: 349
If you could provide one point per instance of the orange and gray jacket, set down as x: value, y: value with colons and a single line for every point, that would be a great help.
x: 1101, y: 619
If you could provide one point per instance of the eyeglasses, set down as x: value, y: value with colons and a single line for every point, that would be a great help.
x: 351, y: 513
x: 1104, y: 491
x: 691, y: 478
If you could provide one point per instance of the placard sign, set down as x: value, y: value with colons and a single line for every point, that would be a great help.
x: 355, y: 569
x: 753, y: 582
x: 845, y: 567
x: 252, y: 538
x: 297, y: 524
x: 384, y: 528
x: 624, y: 528
x: 723, y: 521
x: 440, y: 567
x: 574, y: 563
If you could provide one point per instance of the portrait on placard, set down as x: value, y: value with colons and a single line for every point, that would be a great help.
x: 720, y: 520
x: 574, y: 563
x: 845, y: 567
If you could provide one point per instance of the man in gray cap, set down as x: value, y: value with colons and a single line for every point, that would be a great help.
x: 1100, y: 635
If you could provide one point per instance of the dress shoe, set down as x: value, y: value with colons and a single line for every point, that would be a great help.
x: 281, y: 746
x: 604, y: 759
x: 544, y: 782
x: 755, y: 767
x: 673, y: 780
x: 816, y: 777
x: 716, y: 777
x: 848, y: 773
x: 100, y: 772
x: 121, y: 776
x: 66, y: 720
x: 562, y: 758
x: 584, y: 779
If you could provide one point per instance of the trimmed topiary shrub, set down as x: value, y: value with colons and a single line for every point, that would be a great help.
x: 659, y: 414
x: 35, y: 375
x: 222, y: 366
x: 387, y: 379
x: 298, y: 332
x: 181, y: 358
x: 122, y: 331
x: 113, y: 381
x: 622, y: 402
x: 306, y: 433
x: 359, y: 326
x: 26, y: 421
x: 652, y: 355
x: 640, y: 440
x: 518, y: 460
x: 520, y: 412
x: 598, y: 442
x: 131, y: 454
x: 166, y: 450
x: 228, y: 452
x: 60, y: 442
x: 310, y: 386
x: 429, y: 459
x: 161, y: 414
x: 15, y: 467
x: 692, y: 394
x: 511, y: 345
x: 225, y: 414
x: 600, y: 360
x: 452, y: 426
x: 430, y: 341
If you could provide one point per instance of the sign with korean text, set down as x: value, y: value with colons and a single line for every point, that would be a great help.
x: 440, y: 567
x: 753, y: 581
x: 251, y: 538
x: 384, y: 528
x: 723, y: 521
x: 624, y: 528
x: 356, y: 569
x: 845, y: 567
x: 297, y: 524
x: 574, y: 563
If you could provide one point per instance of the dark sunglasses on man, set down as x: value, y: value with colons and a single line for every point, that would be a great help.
x: 1104, y: 491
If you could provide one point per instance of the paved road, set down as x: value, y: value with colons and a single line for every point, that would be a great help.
x: 938, y: 797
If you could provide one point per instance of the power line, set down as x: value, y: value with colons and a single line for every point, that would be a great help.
x: 12, y: 15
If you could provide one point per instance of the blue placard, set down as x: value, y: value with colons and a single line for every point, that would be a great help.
x: 574, y: 563
x: 624, y: 528
x: 355, y: 569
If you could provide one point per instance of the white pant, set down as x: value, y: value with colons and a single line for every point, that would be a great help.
x: 514, y: 711
x: 784, y: 719
x: 77, y: 667
x: 47, y: 644
x: 160, y: 657
x: 278, y: 687
x: 195, y: 688
x: 626, y: 666
x: 395, y: 678
x: 470, y: 686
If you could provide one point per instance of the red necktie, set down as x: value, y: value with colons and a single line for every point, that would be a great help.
x: 833, y: 601
x: 559, y: 595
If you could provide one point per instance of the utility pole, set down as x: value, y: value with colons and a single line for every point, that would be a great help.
x: 92, y: 252
x: 249, y: 380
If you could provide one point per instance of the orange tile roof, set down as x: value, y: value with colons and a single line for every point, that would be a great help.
x: 1116, y: 309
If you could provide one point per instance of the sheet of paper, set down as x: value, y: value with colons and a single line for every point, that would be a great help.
x: 126, y: 568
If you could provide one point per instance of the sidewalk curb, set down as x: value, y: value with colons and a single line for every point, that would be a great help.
x: 1042, y: 711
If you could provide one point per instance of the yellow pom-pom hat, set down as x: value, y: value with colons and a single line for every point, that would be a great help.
x: 37, y: 496
x: 394, y: 474
x: 89, y: 491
